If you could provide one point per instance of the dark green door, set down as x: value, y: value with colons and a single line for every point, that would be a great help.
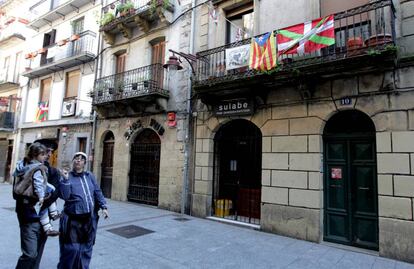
x: 351, y: 215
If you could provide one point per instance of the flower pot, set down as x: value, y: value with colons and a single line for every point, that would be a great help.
x: 74, y: 37
x: 42, y: 51
x: 62, y: 42
x: 354, y: 43
x: 34, y: 54
x: 378, y: 40
x: 28, y: 56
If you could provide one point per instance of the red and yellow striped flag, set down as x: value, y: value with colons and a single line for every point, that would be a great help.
x: 263, y: 52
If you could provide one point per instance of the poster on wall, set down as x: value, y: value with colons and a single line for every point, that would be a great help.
x: 336, y: 173
x: 237, y: 57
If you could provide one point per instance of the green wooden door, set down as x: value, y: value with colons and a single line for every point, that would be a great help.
x: 351, y: 216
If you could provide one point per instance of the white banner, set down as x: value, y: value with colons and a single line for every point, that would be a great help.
x: 237, y: 57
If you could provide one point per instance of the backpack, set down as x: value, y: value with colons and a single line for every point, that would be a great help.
x: 23, y: 184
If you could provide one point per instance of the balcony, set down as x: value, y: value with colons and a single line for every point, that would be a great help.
x: 58, y: 58
x: 45, y: 12
x: 122, y: 17
x: 6, y: 121
x: 132, y: 92
x: 8, y: 80
x: 13, y: 31
x: 364, y: 42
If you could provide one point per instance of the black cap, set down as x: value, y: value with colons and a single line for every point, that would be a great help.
x: 51, y: 144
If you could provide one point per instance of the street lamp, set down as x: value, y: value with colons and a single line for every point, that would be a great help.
x: 173, y: 62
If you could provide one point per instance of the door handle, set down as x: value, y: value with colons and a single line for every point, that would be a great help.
x: 363, y: 188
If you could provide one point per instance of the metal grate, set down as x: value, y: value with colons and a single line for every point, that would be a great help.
x: 182, y: 219
x: 130, y: 231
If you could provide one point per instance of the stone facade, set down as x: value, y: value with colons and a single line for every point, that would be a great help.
x: 171, y: 158
x: 67, y: 138
x: 292, y: 160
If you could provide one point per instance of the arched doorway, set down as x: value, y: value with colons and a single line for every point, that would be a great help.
x: 107, y: 164
x: 237, y: 172
x: 350, y: 180
x: 145, y: 168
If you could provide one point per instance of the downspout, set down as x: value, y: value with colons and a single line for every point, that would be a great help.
x: 187, y: 148
x: 97, y: 63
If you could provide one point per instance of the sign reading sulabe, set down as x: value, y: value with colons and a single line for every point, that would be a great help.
x: 234, y: 107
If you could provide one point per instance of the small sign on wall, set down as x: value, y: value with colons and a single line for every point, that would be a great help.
x: 234, y: 107
x: 336, y: 173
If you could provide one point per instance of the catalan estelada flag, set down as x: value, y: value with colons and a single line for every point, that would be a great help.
x: 263, y: 52
x: 306, y: 37
x: 42, y: 111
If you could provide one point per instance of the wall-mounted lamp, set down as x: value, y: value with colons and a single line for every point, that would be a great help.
x: 173, y: 62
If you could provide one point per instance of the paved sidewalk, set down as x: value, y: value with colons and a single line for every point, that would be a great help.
x: 195, y: 243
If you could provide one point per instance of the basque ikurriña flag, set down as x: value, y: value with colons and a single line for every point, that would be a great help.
x: 306, y: 37
x: 42, y: 111
x: 263, y: 52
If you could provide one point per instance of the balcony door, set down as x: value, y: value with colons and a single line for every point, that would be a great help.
x: 119, y: 70
x: 77, y: 28
x: 48, y: 40
x: 157, y: 57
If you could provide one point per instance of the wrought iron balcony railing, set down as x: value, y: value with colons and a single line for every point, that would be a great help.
x: 132, y: 13
x: 57, y: 57
x: 85, y: 44
x: 6, y: 120
x: 136, y: 83
x: 365, y: 30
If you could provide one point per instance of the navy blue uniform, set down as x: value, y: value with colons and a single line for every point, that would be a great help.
x: 79, y: 221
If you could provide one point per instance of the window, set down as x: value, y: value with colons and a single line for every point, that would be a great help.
x: 82, y: 144
x: 240, y: 23
x: 72, y: 83
x: 45, y: 86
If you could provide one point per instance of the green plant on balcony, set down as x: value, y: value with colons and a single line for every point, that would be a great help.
x: 125, y: 9
x: 107, y: 18
x: 154, y: 4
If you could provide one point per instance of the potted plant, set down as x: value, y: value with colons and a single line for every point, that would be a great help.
x: 74, y: 37
x: 377, y: 40
x: 34, y: 54
x: 107, y: 18
x: 62, y: 42
x: 42, y: 50
x: 128, y: 7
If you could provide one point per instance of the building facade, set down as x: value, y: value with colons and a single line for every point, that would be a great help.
x: 320, y: 147
x: 60, y: 67
x: 13, y: 33
x: 141, y: 108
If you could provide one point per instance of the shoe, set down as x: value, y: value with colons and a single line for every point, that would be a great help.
x: 52, y: 232
x: 56, y: 216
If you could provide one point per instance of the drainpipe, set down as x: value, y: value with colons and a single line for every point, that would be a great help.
x: 187, y: 142
x: 97, y: 63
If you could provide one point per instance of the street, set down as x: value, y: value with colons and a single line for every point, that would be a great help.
x: 166, y: 240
